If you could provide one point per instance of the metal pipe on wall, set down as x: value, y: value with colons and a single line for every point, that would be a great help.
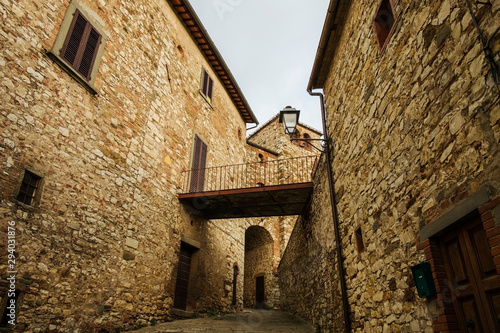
x: 336, y: 227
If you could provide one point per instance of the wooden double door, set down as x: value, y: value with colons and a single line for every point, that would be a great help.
x: 473, y: 284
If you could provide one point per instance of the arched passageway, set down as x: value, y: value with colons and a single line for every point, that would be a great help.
x: 259, y: 281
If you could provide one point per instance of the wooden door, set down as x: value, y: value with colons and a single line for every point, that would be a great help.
x: 472, y: 279
x: 182, y: 283
x: 259, y: 291
x: 198, y: 166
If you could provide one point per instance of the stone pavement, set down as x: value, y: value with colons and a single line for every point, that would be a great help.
x: 250, y: 320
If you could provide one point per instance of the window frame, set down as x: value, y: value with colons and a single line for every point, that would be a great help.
x: 93, y: 22
x: 379, y: 30
x: 207, y: 86
x: 359, y: 239
x: 37, y: 193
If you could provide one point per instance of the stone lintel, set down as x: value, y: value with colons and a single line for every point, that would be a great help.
x: 460, y: 210
x: 190, y: 241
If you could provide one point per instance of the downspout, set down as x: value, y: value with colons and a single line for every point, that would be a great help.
x: 336, y: 227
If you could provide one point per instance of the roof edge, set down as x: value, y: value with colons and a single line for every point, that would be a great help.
x: 329, y: 29
x: 186, y: 13
x: 267, y: 123
x: 270, y: 151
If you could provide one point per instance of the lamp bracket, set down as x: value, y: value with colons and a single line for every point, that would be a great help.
x: 322, y: 141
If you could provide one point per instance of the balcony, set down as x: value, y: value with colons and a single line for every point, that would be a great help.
x: 268, y: 188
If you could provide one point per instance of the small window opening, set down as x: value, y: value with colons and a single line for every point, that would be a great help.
x: 29, y: 188
x: 261, y: 158
x: 383, y: 23
x: 207, y: 86
x: 359, y: 240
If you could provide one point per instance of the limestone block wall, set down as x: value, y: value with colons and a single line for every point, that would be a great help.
x: 308, y: 277
x: 258, y: 263
x: 271, y: 135
x: 101, y: 248
x: 416, y: 132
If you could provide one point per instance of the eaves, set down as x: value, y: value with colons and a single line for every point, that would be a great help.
x: 330, y: 37
x: 195, y: 28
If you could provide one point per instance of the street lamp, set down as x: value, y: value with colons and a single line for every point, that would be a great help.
x: 289, y: 117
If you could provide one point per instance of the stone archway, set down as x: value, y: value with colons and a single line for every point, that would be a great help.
x: 259, y: 281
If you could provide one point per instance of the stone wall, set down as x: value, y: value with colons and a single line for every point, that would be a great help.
x: 101, y: 248
x: 416, y: 132
x: 271, y: 135
x: 308, y: 277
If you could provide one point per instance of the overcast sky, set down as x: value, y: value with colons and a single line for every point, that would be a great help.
x: 269, y: 47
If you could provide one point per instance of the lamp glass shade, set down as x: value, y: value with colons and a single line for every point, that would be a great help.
x: 290, y: 118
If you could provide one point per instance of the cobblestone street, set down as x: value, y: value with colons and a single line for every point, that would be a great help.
x: 250, y: 320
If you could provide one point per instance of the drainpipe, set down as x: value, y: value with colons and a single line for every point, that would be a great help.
x: 338, y: 241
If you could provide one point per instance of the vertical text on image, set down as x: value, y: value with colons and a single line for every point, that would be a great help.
x: 11, y: 264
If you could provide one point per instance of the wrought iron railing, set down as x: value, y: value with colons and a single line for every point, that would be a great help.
x: 238, y: 176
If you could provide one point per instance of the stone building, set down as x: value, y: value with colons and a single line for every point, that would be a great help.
x: 269, y: 145
x: 109, y: 110
x: 104, y: 105
x: 412, y: 102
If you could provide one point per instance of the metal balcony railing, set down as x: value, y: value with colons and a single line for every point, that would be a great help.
x: 240, y: 176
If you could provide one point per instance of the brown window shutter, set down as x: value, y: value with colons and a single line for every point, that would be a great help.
x: 74, y: 38
x: 203, y: 155
x: 81, y: 45
x: 89, y: 53
x: 207, y: 85
x: 198, y: 166
x: 210, y: 85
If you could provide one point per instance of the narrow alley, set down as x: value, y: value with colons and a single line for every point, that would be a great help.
x: 250, y: 320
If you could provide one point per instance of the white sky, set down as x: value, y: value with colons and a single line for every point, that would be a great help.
x: 269, y: 47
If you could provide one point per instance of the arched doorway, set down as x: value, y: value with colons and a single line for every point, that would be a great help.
x: 258, y: 274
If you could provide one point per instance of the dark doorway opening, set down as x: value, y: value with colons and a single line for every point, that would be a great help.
x: 258, y: 268
x: 260, y: 293
x: 235, y: 280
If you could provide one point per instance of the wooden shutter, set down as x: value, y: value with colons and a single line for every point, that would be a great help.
x: 198, y: 166
x: 89, y: 53
x: 207, y: 85
x: 210, y: 87
x: 81, y: 45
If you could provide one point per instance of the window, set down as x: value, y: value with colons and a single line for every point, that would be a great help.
x: 384, y: 23
x: 198, y: 165
x: 359, y: 240
x: 79, y: 44
x: 30, y: 188
x: 207, y: 86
